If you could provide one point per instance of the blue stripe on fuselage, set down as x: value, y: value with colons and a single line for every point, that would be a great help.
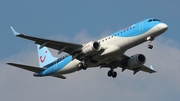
x: 55, y: 66
x: 137, y: 29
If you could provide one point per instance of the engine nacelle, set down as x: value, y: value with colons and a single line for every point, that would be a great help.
x: 91, y: 48
x: 136, y: 61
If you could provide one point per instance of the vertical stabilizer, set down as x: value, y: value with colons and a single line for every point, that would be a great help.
x: 44, y: 56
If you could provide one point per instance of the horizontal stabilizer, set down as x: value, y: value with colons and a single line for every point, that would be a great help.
x: 26, y: 67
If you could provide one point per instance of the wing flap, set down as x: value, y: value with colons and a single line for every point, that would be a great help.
x: 26, y: 67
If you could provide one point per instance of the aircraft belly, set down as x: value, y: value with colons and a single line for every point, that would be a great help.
x: 105, y: 59
x: 71, y: 67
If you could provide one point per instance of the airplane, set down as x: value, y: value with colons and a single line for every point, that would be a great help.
x: 108, y: 52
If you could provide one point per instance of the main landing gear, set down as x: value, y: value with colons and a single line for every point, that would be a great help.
x: 111, y: 72
x: 82, y: 65
x: 150, y: 39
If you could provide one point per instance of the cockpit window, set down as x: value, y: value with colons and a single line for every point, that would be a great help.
x: 156, y: 20
x: 153, y: 20
x: 150, y: 20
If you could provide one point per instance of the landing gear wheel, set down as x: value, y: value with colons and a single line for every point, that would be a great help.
x: 114, y: 74
x: 109, y: 73
x: 150, y: 46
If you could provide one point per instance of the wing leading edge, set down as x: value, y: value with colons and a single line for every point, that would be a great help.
x: 69, y: 48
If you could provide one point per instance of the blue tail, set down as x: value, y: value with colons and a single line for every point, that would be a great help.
x: 44, y: 56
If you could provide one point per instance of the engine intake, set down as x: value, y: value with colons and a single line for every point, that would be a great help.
x: 91, y: 48
x: 136, y: 61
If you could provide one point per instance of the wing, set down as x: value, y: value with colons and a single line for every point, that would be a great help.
x: 147, y: 69
x: 123, y: 64
x: 70, y: 48
x: 26, y: 67
x: 142, y: 68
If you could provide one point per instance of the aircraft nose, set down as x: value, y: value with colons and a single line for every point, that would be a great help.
x: 163, y: 27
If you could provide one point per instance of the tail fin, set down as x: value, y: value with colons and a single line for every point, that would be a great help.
x: 44, y: 56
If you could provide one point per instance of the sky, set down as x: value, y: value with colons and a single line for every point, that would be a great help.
x: 81, y: 21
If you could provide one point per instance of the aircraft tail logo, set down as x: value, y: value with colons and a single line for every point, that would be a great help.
x: 44, y: 56
x: 43, y: 59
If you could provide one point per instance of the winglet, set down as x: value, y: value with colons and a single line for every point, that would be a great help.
x: 15, y: 33
x: 151, y: 67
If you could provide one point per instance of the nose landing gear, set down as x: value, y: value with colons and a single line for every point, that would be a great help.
x: 150, y: 39
x: 150, y: 46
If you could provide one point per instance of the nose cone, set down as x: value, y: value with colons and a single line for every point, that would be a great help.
x: 163, y: 27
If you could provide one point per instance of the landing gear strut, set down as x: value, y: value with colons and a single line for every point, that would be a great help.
x: 150, y: 39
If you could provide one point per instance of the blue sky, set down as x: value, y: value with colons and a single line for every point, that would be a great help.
x: 81, y: 21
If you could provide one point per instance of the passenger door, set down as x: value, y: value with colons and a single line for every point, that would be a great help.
x: 141, y: 25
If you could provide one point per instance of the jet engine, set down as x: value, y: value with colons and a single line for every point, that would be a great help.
x: 136, y: 61
x: 91, y: 48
